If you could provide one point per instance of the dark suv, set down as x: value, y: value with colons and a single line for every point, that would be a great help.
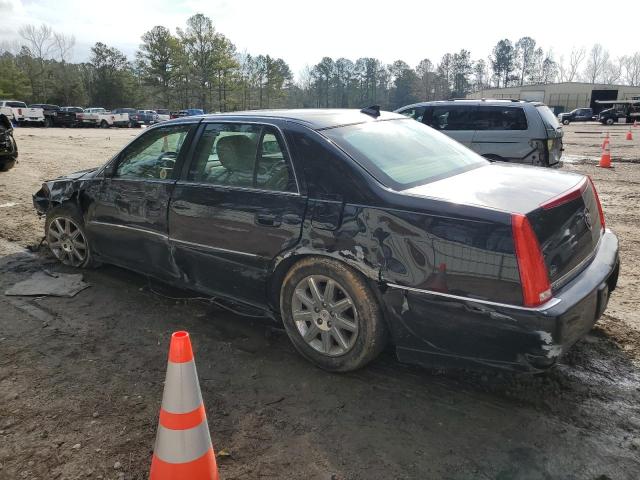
x: 8, y: 147
x: 577, y: 115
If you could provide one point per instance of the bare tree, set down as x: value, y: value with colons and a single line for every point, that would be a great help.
x: 39, y: 43
x: 39, y: 40
x: 596, y: 63
x: 575, y: 60
x: 631, y: 67
x: 612, y: 71
x: 63, y: 46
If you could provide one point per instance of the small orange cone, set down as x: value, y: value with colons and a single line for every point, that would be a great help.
x: 629, y: 134
x: 605, y: 159
x: 183, y: 448
x: 606, y: 139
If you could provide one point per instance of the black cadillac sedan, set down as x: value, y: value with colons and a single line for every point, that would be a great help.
x: 355, y: 229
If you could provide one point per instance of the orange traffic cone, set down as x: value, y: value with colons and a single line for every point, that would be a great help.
x: 606, y: 139
x: 183, y: 447
x: 605, y: 159
x: 629, y: 134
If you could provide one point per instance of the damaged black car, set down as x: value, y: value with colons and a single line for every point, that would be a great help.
x: 356, y: 229
x: 8, y: 146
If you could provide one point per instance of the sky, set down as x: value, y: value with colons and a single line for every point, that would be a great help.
x: 302, y: 32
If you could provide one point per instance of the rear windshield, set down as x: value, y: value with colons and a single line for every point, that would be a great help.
x: 404, y: 153
x: 16, y: 104
x: 549, y: 119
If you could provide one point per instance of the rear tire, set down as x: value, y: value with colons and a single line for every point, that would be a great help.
x: 66, y: 236
x: 7, y: 165
x: 331, y: 315
x: 104, y: 124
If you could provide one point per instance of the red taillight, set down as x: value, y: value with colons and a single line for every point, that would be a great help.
x: 534, y: 277
x: 565, y: 197
x: 595, y: 194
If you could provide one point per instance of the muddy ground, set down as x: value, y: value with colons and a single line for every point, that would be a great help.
x: 81, y: 379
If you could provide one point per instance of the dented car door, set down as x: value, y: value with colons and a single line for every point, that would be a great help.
x: 237, y: 207
x: 128, y: 218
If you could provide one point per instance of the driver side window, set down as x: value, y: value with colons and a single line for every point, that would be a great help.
x: 154, y: 154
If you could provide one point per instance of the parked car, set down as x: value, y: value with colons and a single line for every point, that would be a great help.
x: 8, y: 146
x: 190, y: 112
x: 499, y: 130
x: 23, y: 115
x: 54, y: 116
x: 621, y: 111
x: 13, y: 109
x: 174, y: 114
x: 577, y: 115
x: 72, y: 114
x: 354, y: 228
x: 135, y: 120
x: 163, y: 115
x: 100, y: 117
x: 148, y: 117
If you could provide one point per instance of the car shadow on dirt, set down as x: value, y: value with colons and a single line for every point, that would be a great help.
x: 89, y: 371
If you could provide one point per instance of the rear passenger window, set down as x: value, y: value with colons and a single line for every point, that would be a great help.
x: 415, y: 112
x: 453, y: 117
x: 242, y: 155
x: 501, y: 118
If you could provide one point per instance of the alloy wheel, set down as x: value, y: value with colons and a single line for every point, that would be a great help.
x: 325, y: 315
x: 67, y: 242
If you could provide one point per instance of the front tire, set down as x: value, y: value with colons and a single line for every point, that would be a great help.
x: 66, y: 236
x: 331, y: 315
x: 566, y: 122
x: 609, y: 121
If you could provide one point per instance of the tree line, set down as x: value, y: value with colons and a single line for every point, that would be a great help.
x: 199, y: 67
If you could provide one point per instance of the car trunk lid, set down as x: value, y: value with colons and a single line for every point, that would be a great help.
x: 562, y: 208
x: 568, y: 228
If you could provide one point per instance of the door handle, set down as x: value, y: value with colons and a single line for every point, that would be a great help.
x: 267, y: 220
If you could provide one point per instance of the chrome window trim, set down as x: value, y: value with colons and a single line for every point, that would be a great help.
x: 232, y: 187
x: 207, y: 121
x: 209, y: 247
x: 551, y: 303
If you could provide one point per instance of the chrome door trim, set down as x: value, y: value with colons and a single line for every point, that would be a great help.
x: 209, y: 247
x: 551, y: 303
x: 127, y: 227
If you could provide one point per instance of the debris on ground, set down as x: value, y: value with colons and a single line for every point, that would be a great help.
x: 45, y: 283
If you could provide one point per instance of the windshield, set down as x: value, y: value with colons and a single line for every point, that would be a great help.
x: 16, y: 104
x: 404, y: 153
x: 548, y: 117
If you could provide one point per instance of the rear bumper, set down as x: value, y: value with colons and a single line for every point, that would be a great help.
x: 435, y: 328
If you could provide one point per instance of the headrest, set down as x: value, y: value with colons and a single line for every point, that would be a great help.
x: 236, y: 153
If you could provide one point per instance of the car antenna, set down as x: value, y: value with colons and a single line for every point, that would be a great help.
x: 373, y: 110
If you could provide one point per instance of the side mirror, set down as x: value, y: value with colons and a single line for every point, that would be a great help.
x: 109, y: 170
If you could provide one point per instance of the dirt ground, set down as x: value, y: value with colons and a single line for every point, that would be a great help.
x: 81, y: 379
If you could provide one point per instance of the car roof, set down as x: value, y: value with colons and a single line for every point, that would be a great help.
x: 316, y: 119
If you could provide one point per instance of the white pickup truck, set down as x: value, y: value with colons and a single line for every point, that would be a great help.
x: 19, y: 113
x: 99, y: 117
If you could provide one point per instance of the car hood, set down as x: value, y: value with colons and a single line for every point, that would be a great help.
x: 500, y: 186
x: 88, y: 173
